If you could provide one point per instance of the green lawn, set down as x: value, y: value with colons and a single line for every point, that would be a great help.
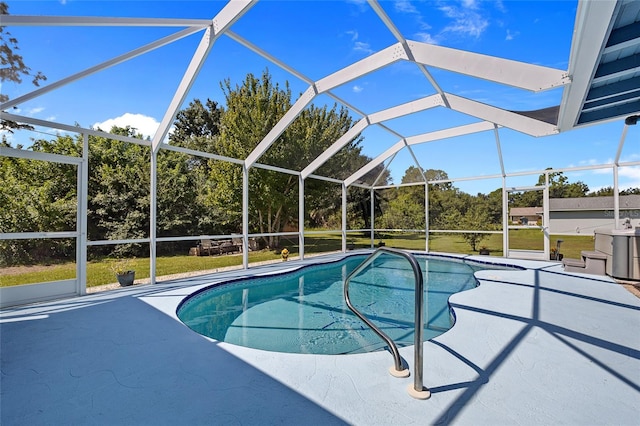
x: 100, y: 272
x: 530, y: 239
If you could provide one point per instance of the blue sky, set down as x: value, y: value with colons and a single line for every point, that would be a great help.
x: 318, y: 38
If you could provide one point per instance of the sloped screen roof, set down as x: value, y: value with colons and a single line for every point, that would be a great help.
x: 405, y: 82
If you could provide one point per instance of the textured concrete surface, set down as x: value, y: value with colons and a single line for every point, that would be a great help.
x: 537, y: 346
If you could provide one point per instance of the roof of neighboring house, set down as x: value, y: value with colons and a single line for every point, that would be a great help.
x: 593, y: 203
x: 525, y: 211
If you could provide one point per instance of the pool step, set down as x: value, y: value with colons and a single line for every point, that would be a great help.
x: 592, y: 262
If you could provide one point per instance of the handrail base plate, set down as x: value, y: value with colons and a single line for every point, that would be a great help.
x: 399, y: 373
x: 423, y: 394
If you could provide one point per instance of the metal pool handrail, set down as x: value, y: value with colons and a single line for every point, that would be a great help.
x: 418, y: 390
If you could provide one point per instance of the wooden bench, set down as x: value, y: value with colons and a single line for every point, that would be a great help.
x: 592, y: 262
x: 229, y: 247
x: 213, y: 247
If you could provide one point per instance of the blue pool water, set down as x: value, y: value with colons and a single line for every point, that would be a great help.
x: 304, y: 311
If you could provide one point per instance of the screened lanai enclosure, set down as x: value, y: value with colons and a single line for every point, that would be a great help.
x: 413, y: 109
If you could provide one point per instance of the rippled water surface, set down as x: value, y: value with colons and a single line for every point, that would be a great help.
x: 304, y: 311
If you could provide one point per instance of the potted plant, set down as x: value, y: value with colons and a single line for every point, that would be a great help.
x: 555, y: 255
x: 123, y: 272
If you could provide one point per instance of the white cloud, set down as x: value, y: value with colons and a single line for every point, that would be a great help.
x: 360, y: 4
x: 511, y: 36
x: 630, y: 158
x: 470, y: 4
x: 471, y: 25
x: 592, y: 162
x: 499, y: 5
x: 8, y: 136
x: 353, y: 34
x: 426, y: 38
x: 34, y: 111
x: 30, y: 112
x: 360, y: 46
x: 357, y: 89
x: 465, y: 21
x: 631, y: 177
x: 143, y: 124
x: 405, y: 6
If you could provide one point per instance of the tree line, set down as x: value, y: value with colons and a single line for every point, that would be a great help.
x: 203, y: 196
x: 452, y: 209
x: 195, y: 195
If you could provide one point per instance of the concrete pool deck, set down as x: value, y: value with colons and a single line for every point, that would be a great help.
x: 538, y: 346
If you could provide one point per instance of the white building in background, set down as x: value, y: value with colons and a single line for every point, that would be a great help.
x: 586, y: 214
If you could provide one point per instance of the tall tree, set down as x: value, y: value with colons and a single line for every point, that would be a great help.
x: 13, y: 68
x: 252, y: 110
x: 197, y: 127
x: 609, y: 191
x: 359, y: 207
x: 119, y: 193
x: 36, y: 196
x: 560, y: 187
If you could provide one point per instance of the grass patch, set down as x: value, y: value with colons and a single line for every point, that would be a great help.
x: 100, y: 272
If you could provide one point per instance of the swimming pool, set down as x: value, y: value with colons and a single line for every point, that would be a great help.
x: 304, y: 311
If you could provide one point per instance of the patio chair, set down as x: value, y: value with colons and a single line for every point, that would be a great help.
x: 209, y: 247
x: 238, y: 243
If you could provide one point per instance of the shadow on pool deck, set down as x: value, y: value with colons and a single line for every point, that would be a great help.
x: 552, y: 336
x: 117, y: 360
x: 536, y: 346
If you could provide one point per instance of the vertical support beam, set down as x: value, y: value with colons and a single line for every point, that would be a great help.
x: 616, y: 189
x: 153, y: 215
x: 301, y: 217
x: 505, y: 196
x: 505, y: 218
x: 344, y: 217
x: 616, y: 198
x: 372, y: 214
x: 245, y: 215
x: 499, y: 148
x: 80, y: 271
x: 426, y: 216
x: 545, y: 215
x: 81, y: 219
